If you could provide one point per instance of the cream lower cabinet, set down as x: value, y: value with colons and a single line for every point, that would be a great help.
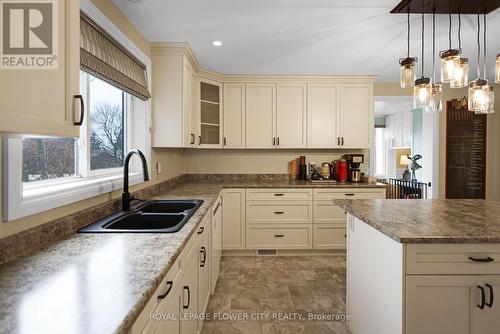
x: 452, y: 304
x: 330, y: 220
x: 184, y: 292
x: 233, y: 213
x: 45, y: 101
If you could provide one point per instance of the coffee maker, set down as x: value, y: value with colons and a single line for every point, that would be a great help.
x: 353, y: 162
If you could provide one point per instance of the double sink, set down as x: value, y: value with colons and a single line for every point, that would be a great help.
x: 164, y: 216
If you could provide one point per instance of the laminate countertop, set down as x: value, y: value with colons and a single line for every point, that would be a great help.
x: 100, y: 282
x: 429, y: 221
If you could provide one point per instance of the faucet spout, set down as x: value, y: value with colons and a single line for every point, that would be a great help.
x: 126, y: 198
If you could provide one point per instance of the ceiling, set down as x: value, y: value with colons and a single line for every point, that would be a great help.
x: 387, y: 105
x: 317, y: 37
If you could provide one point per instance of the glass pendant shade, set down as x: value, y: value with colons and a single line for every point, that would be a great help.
x: 422, y: 94
x: 407, y: 72
x: 450, y: 60
x: 497, y: 69
x: 436, y: 103
x: 489, y: 104
x: 461, y: 74
x: 478, y: 96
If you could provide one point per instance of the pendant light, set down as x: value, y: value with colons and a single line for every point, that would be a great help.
x: 481, y: 95
x: 407, y: 71
x: 490, y: 91
x: 461, y: 73
x: 436, y: 104
x: 450, y: 59
x: 423, y: 89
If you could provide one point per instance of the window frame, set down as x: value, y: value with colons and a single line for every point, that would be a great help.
x: 50, y: 194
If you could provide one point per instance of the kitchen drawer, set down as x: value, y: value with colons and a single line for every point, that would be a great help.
x: 279, y: 194
x: 273, y: 212
x: 452, y: 259
x: 347, y: 193
x: 327, y: 212
x: 330, y: 236
x: 279, y: 237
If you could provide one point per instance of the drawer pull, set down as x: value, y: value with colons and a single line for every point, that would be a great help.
x: 483, y: 297
x: 189, y: 298
x: 278, y: 212
x: 279, y: 194
x: 279, y: 235
x: 201, y: 230
x: 481, y: 259
x: 163, y: 295
x: 203, y: 252
x: 492, y: 296
x: 349, y: 194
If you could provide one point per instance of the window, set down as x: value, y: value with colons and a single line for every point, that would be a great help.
x: 43, y: 173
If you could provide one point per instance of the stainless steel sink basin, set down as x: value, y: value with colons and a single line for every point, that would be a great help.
x: 163, y: 216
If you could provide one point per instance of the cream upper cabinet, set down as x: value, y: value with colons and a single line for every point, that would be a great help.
x: 322, y: 116
x: 234, y: 115
x: 46, y: 101
x: 260, y: 115
x: 175, y: 121
x: 210, y: 114
x: 291, y: 115
x: 356, y: 116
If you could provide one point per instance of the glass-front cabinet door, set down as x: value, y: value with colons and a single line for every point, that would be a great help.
x: 210, y: 132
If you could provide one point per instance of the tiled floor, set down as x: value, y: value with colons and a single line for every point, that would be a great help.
x: 260, y: 290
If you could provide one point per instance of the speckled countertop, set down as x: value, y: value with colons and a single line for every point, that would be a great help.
x: 430, y: 221
x: 99, y: 283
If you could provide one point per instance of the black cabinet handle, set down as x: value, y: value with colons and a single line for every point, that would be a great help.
x: 279, y: 235
x: 278, y: 212
x: 203, y: 252
x: 82, y: 110
x: 483, y: 298
x: 349, y: 194
x: 192, y: 139
x: 492, y: 296
x: 481, y: 259
x: 189, y: 298
x: 274, y: 141
x: 163, y: 295
x: 279, y: 194
x: 201, y: 230
x: 342, y: 141
x: 199, y: 140
x: 225, y: 141
x: 338, y: 141
x: 277, y: 141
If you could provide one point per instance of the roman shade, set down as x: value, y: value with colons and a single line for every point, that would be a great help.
x: 380, y: 122
x: 101, y: 55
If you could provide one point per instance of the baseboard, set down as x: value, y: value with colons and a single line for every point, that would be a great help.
x: 287, y: 252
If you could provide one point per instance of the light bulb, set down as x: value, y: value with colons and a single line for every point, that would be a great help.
x: 422, y: 94
x: 450, y: 60
x: 497, y: 69
x: 479, y: 96
x: 407, y: 72
x: 461, y: 74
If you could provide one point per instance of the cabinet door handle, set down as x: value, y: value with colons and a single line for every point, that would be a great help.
x: 279, y: 195
x: 203, y: 252
x: 348, y: 194
x: 192, y: 142
x: 163, y: 295
x: 277, y: 141
x: 199, y: 140
x: 82, y: 110
x: 189, y: 298
x: 483, y: 297
x: 278, y: 212
x: 201, y: 230
x: 492, y: 296
x: 338, y: 141
x: 225, y: 141
x: 279, y: 235
x: 342, y: 143
x: 481, y: 259
x: 274, y: 141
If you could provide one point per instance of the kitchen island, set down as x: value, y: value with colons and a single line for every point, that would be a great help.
x: 423, y: 266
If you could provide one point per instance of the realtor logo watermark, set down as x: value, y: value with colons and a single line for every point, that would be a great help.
x: 29, y: 34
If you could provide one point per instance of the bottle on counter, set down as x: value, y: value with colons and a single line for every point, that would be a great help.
x: 293, y: 169
x: 302, y: 168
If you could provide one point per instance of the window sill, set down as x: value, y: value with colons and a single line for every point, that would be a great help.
x: 46, y: 196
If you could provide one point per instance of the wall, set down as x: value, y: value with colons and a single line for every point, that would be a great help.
x: 172, y: 160
x: 256, y: 161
